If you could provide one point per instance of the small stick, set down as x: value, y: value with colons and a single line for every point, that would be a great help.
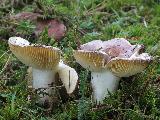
x: 5, y: 66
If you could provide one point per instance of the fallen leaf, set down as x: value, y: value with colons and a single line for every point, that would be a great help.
x: 26, y: 16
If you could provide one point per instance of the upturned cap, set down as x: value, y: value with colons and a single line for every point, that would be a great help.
x: 116, y: 55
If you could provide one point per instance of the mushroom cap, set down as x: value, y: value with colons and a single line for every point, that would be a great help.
x: 125, y: 67
x: 56, y: 29
x: 96, y: 54
x: 36, y: 56
x: 118, y: 47
x: 92, y: 60
x: 116, y: 55
x: 92, y: 46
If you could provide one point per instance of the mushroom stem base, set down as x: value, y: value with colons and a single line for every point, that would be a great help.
x: 43, y: 80
x: 102, y: 82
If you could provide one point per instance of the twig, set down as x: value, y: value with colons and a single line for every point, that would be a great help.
x: 5, y: 66
x: 81, y: 31
x: 77, y: 40
x: 54, y: 87
x: 97, y: 12
x: 145, y: 23
x: 4, y: 53
x: 98, y: 8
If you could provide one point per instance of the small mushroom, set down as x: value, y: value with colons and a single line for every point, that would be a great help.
x: 45, y: 62
x: 108, y: 67
x: 56, y: 29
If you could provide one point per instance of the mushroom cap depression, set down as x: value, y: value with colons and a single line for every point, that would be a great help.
x: 36, y: 56
x: 116, y: 55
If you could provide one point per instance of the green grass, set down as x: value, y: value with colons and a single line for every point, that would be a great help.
x: 137, y: 97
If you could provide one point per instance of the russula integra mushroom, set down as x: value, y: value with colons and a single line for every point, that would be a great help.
x: 45, y: 62
x: 56, y: 29
x: 108, y: 61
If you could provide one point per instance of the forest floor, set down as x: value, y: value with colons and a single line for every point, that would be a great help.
x: 137, y: 97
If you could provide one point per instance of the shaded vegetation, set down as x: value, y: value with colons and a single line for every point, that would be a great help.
x: 137, y: 98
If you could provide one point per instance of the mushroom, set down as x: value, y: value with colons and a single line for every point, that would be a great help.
x: 111, y: 60
x: 45, y: 62
x: 56, y: 29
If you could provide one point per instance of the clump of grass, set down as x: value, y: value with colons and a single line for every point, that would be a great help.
x: 83, y: 105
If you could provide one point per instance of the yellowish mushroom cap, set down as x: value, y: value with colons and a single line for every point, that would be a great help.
x: 92, y: 60
x: 36, y: 56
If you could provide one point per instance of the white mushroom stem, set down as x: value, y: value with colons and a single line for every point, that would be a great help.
x: 43, y: 79
x: 102, y: 82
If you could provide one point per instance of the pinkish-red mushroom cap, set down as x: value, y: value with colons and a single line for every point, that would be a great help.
x: 92, y: 46
x: 116, y: 55
x: 56, y: 29
x: 118, y: 47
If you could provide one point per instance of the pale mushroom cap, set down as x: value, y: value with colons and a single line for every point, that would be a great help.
x: 94, y: 61
x: 125, y: 67
x: 92, y: 46
x: 118, y: 42
x: 18, y: 41
x: 117, y: 47
x: 36, y: 56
